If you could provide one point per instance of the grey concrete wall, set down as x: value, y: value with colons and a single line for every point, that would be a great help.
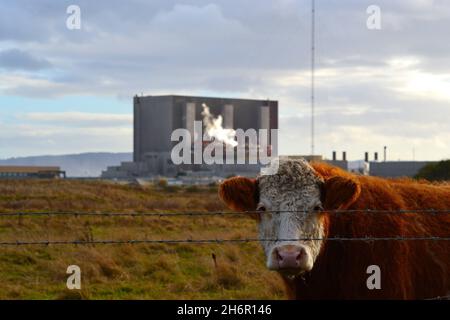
x: 153, y: 125
x: 343, y: 164
x: 394, y: 169
x: 246, y: 112
x: 136, y: 129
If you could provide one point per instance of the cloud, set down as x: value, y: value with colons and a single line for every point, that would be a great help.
x: 371, y: 86
x: 15, y: 59
x: 79, y: 119
x: 427, y: 139
x: 40, y: 133
x: 38, y: 140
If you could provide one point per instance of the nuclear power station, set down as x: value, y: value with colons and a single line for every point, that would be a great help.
x: 157, y: 117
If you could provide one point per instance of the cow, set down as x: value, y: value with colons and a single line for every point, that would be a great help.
x: 297, y: 210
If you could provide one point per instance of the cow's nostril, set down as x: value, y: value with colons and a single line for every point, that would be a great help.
x: 279, y: 256
x: 300, y: 255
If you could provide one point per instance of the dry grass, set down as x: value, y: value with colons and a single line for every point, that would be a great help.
x: 141, y: 271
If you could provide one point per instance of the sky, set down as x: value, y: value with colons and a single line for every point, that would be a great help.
x: 70, y: 91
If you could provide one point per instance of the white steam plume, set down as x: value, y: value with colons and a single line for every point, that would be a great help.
x: 215, y: 130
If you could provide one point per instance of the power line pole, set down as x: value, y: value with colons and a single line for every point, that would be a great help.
x: 313, y: 52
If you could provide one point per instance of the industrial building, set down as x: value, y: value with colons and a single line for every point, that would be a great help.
x: 389, y: 169
x: 343, y: 164
x: 156, y: 118
x: 396, y: 169
x: 27, y: 172
x: 385, y: 169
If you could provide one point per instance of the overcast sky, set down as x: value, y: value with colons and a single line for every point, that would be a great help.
x: 70, y: 91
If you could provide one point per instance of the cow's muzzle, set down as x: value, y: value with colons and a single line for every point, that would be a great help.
x: 289, y: 259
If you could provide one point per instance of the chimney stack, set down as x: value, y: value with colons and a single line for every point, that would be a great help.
x: 334, y: 155
x: 385, y: 153
x: 366, y: 157
x: 344, y: 156
x: 375, y: 156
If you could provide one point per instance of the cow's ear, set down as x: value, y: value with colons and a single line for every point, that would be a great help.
x: 239, y: 193
x: 339, y: 193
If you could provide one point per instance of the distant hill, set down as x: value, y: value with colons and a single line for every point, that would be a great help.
x: 75, y: 165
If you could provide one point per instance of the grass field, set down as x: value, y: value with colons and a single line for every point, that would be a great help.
x: 137, y: 271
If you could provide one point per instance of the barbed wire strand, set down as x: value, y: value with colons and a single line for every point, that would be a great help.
x: 218, y: 241
x: 219, y: 213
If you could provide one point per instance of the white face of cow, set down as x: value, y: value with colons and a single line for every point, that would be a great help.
x: 294, y: 192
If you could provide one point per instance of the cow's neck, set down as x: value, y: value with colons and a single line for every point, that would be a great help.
x: 328, y: 267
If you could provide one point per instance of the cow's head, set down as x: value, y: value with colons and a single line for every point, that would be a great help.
x: 294, y: 193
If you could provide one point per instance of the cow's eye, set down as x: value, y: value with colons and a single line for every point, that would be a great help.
x: 318, y: 208
x: 261, y: 207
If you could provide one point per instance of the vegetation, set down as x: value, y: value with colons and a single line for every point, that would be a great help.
x: 138, y: 271
x: 435, y: 171
x: 162, y: 183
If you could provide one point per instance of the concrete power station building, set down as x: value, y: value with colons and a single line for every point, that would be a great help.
x: 156, y: 117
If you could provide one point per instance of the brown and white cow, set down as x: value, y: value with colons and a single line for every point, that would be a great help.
x: 321, y: 269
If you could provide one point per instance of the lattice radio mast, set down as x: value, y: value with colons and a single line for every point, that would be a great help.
x: 313, y: 52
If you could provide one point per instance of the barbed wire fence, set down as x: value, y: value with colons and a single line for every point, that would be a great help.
x: 49, y: 214
x: 47, y: 242
x: 217, y: 241
x: 219, y: 213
